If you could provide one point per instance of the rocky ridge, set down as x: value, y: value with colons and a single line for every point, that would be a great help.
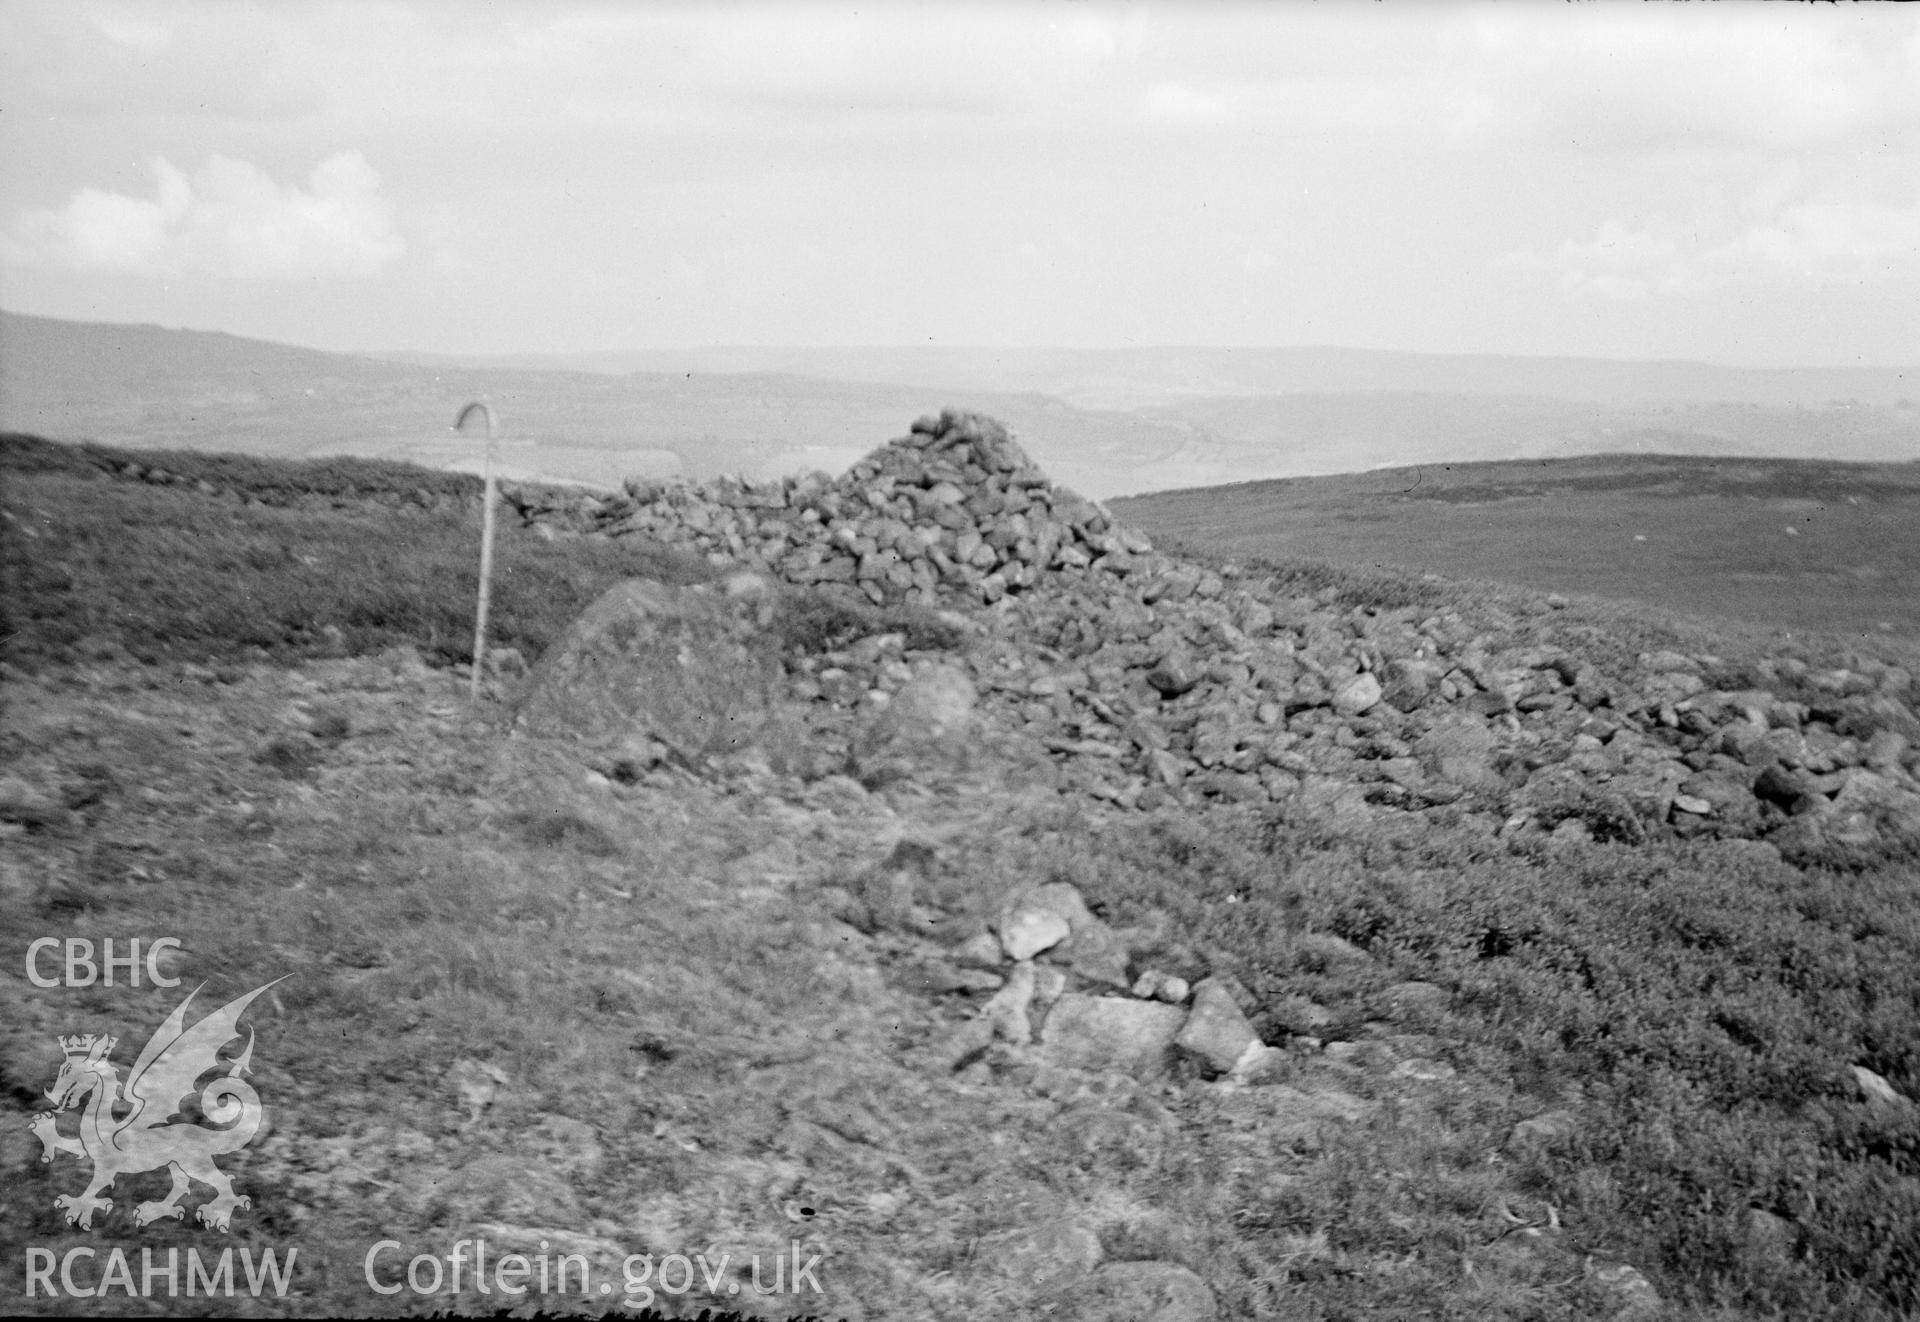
x: 1152, y: 679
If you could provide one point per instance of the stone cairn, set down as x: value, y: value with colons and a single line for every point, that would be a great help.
x: 955, y: 507
x: 1152, y: 680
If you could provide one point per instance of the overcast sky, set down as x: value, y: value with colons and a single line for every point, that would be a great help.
x: 1734, y: 183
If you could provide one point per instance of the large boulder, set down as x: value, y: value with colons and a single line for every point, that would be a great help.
x: 1112, y: 1033
x: 1459, y: 750
x: 1216, y: 1032
x: 689, y: 672
x: 928, y: 725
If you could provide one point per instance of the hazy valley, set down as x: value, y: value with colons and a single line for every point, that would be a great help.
x: 1106, y: 424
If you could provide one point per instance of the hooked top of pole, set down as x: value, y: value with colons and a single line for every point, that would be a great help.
x: 467, y: 412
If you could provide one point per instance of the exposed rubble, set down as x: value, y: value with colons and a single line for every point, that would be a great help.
x: 1150, y: 679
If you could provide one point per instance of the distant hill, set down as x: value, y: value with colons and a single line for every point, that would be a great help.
x: 1137, y: 378
x: 1803, y: 545
x: 145, y: 386
x: 1104, y: 423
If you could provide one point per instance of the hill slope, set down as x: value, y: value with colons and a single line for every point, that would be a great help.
x: 1265, y: 939
x: 1800, y: 545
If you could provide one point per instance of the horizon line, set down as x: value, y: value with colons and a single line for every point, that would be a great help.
x: 364, y: 352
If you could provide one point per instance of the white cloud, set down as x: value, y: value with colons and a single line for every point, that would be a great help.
x: 1812, y: 242
x: 1188, y: 105
x: 227, y: 219
x: 1758, y: 77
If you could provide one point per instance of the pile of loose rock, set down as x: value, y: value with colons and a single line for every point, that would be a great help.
x: 1154, y: 680
x: 955, y: 507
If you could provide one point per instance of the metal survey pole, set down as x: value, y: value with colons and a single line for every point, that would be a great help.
x: 486, y: 547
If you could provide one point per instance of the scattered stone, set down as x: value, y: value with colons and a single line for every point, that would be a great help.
x: 1168, y: 682
x: 1048, y: 983
x: 1460, y: 749
x: 1096, y: 952
x: 1358, y: 695
x: 1876, y: 1090
x: 1110, y: 1033
x: 923, y: 726
x: 475, y: 1085
x: 1046, y: 1257
x: 1007, y: 1010
x: 936, y: 977
x: 1259, y: 1064
x: 1411, y: 682
x: 1174, y: 674
x: 1769, y: 1236
x: 1298, y: 1015
x: 890, y: 893
x: 1542, y: 1132
x: 1028, y: 930
x: 1629, y: 1292
x: 1216, y: 1032
x: 979, y: 951
x: 1416, y: 1000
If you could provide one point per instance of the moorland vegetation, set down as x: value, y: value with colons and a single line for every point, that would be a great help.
x: 1539, y: 1057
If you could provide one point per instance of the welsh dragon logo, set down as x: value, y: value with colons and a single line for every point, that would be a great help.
x: 141, y: 1138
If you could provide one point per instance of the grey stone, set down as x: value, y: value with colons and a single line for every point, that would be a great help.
x: 1770, y: 1236
x: 1028, y: 930
x: 1174, y: 673
x: 1216, y: 1032
x: 1877, y: 1091
x: 1298, y: 1015
x: 569, y: 1146
x: 1260, y: 1064
x: 1542, y: 1132
x: 1055, y: 897
x: 925, y: 726
x: 680, y: 665
x: 1460, y: 749
x: 1416, y: 1000
x: 1096, y: 952
x: 1007, y: 1010
x: 1358, y: 695
x: 1410, y: 682
x: 1729, y: 798
x: 1105, y: 1032
x: 1045, y: 1257
x: 1781, y: 785
x: 1147, y: 984
x: 1629, y: 1292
